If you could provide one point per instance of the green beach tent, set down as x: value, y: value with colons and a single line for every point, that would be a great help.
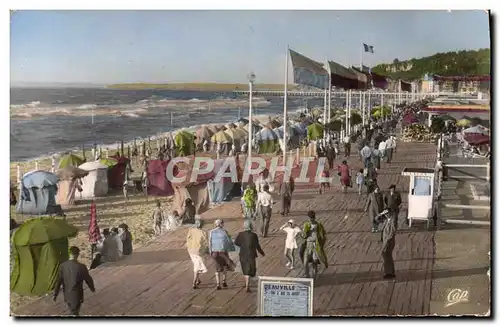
x: 70, y: 160
x: 38, y: 247
x: 184, y: 141
x: 315, y: 131
x: 109, y: 162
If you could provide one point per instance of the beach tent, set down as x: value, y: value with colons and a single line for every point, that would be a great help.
x: 203, y: 133
x: 95, y: 184
x: 69, y: 182
x: 478, y: 129
x: 37, y: 193
x: 236, y: 134
x: 197, y: 190
x: 268, y: 141
x: 221, y: 137
x: 184, y: 141
x: 70, y: 160
x: 158, y: 184
x: 38, y: 247
x: 463, y: 123
x: 116, y: 173
x: 220, y: 190
x: 314, y: 131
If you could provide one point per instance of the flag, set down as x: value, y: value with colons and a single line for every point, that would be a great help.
x: 308, y: 72
x: 94, y: 233
x: 368, y: 48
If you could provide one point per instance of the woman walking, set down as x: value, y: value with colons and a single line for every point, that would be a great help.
x: 219, y: 245
x: 290, y: 242
x: 286, y: 191
x: 345, y: 175
x: 197, y: 245
x: 249, y: 245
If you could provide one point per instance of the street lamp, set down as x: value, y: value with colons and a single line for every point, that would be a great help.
x: 251, y: 80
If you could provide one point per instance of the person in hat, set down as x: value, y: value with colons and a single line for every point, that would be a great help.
x: 265, y: 209
x: 388, y: 236
x: 71, y: 276
x: 248, y: 242
x: 126, y: 237
x: 158, y: 218
x: 374, y: 206
x: 392, y: 201
x: 286, y: 191
x: 291, y: 230
x: 197, y: 245
x: 312, y: 249
x: 109, y: 249
x: 219, y: 246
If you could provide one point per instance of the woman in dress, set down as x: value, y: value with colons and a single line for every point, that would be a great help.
x: 126, y: 237
x: 219, y: 246
x: 248, y: 242
x: 345, y: 175
x: 197, y: 245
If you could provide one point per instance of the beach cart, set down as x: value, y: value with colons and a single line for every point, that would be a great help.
x: 422, y: 195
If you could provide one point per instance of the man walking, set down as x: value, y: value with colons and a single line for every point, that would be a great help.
x: 375, y: 203
x: 390, y: 144
x: 264, y: 208
x: 72, y: 274
x: 392, y: 201
x: 388, y: 243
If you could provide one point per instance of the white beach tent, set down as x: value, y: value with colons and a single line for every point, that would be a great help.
x: 95, y: 184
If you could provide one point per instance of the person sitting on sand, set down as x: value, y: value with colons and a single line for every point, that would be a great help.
x: 126, y: 237
x: 172, y: 222
x: 189, y: 212
x: 119, y: 243
x: 109, y: 249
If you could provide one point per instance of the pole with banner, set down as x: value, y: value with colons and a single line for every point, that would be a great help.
x: 285, y: 108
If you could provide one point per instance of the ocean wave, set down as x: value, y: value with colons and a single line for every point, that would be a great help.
x: 37, y: 109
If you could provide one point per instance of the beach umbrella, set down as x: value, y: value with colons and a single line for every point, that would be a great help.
x: 70, y: 160
x: 236, y: 134
x: 230, y: 126
x: 446, y: 117
x: 42, y: 230
x: 315, y: 131
x: 266, y: 134
x: 463, y: 123
x: 255, y: 127
x: 221, y: 137
x: 39, y: 179
x: 213, y: 129
x: 478, y: 129
x: 203, y: 133
x: 109, y: 161
x: 242, y: 121
x: 477, y: 139
x: 70, y: 172
x: 273, y: 124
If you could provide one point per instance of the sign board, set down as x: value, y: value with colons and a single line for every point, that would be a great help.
x: 285, y: 296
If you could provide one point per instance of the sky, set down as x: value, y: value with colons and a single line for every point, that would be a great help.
x: 103, y: 47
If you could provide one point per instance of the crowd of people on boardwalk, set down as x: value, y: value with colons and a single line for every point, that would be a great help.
x: 376, y: 144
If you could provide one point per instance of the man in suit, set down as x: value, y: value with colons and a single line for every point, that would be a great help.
x: 392, y: 202
x: 72, y: 274
x: 374, y: 206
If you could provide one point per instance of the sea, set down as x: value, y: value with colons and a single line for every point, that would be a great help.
x: 46, y: 121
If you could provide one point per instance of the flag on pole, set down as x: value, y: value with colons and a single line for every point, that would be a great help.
x: 368, y: 48
x: 94, y: 233
x: 308, y: 72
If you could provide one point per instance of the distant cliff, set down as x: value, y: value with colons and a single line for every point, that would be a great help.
x: 461, y: 63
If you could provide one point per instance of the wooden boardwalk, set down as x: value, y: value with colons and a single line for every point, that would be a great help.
x: 156, y: 279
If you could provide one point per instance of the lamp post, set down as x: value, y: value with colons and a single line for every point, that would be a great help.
x: 251, y: 80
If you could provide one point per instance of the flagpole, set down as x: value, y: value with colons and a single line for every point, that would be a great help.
x: 361, y: 58
x: 285, y: 99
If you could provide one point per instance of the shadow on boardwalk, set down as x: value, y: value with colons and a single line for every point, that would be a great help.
x: 156, y: 279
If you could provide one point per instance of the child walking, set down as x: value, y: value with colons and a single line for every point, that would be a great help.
x: 292, y: 231
x: 360, y: 180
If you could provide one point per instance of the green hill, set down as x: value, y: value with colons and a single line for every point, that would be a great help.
x: 459, y: 63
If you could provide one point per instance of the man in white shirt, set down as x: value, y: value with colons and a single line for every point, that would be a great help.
x: 390, y: 144
x: 265, y: 208
x: 381, y: 147
x: 366, y: 153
